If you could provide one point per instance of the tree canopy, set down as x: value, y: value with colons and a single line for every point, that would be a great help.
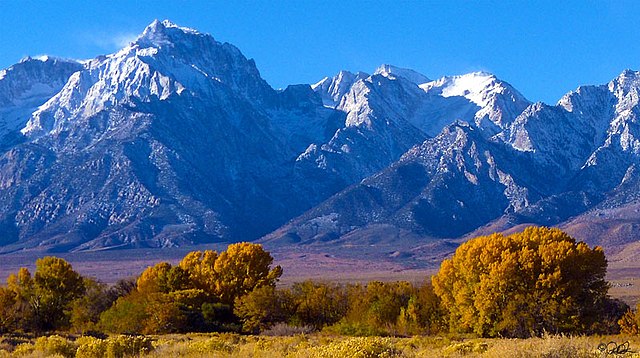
x: 523, y: 284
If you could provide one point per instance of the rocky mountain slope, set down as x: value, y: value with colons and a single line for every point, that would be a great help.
x: 573, y: 165
x: 176, y: 139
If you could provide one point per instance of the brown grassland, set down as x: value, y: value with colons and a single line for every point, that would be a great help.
x: 315, y: 345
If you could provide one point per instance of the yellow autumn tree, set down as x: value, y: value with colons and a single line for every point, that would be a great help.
x: 200, y: 265
x: 539, y: 280
x: 232, y: 273
x: 162, y: 277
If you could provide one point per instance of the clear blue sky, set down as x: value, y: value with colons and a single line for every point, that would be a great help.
x: 543, y: 48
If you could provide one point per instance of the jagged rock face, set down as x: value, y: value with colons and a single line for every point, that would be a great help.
x: 26, y: 86
x: 445, y: 187
x: 496, y: 102
x: 176, y: 139
x: 394, y: 109
x: 166, y: 142
x: 522, y: 163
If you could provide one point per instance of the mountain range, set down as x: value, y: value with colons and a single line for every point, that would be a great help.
x: 177, y: 140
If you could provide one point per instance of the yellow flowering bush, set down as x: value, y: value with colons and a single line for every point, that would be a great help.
x: 359, y: 347
x: 55, y: 344
x: 114, y: 347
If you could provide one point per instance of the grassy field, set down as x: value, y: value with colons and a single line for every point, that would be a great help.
x: 315, y: 345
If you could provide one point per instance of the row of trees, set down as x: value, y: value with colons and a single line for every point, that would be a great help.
x: 209, y: 291
x: 196, y: 295
x: 520, y: 285
x: 540, y: 280
x: 378, y: 308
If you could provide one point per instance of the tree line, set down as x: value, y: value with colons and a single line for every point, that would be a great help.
x: 520, y: 285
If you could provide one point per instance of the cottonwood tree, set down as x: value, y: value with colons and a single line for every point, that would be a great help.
x: 196, y: 295
x: 43, y: 301
x: 232, y: 273
x: 524, y: 284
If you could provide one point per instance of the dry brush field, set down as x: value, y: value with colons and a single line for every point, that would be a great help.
x: 313, y: 345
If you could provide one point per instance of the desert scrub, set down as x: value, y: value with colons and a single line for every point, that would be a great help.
x: 51, y: 346
x: 55, y: 345
x: 464, y: 348
x: 344, y: 328
x: 200, y: 345
x: 90, y: 347
x: 113, y: 347
x: 359, y: 347
x: 213, y: 344
x: 283, y: 329
x: 549, y: 346
x: 23, y: 350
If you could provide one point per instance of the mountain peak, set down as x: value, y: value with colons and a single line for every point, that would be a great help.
x: 163, y: 32
x: 626, y: 86
x: 406, y: 73
x: 627, y: 77
x: 332, y: 89
x: 475, y: 86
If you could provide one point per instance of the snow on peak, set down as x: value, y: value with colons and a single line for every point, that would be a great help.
x: 332, y: 89
x: 408, y: 74
x: 626, y: 81
x: 159, y: 26
x: 163, y: 32
x: 46, y: 58
x: 164, y: 60
x: 476, y: 86
x: 43, y: 58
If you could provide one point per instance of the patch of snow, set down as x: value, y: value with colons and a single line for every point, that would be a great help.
x: 475, y: 86
x: 406, y: 73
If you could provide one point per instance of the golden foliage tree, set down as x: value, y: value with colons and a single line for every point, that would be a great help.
x: 164, y: 278
x: 262, y: 308
x: 318, y: 304
x: 232, y: 273
x: 198, y: 294
x: 523, y: 284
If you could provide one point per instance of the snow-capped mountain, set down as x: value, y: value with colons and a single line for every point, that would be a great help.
x: 497, y: 101
x: 150, y: 146
x: 176, y: 139
x: 26, y: 86
x: 332, y: 89
x: 567, y: 164
x: 394, y: 109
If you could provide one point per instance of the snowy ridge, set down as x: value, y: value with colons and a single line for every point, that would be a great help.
x: 333, y: 89
x: 176, y: 139
x: 477, y: 87
x: 408, y: 74
x: 499, y: 103
x: 153, y: 66
x: 26, y: 86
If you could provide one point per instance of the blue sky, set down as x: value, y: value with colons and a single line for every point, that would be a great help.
x: 543, y: 48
